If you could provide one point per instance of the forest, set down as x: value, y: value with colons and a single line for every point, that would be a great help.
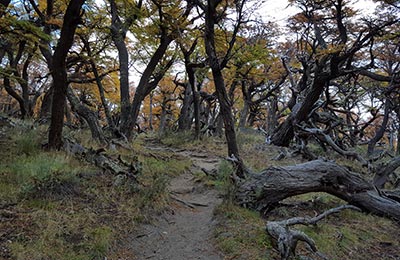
x: 193, y: 129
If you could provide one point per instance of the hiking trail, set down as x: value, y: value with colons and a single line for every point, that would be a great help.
x: 184, y: 230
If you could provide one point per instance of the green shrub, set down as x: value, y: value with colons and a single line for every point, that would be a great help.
x: 223, y: 179
x: 44, y: 175
x: 177, y: 138
x: 27, y: 143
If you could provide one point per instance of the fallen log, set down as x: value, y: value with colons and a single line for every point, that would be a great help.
x: 115, y: 166
x: 264, y: 191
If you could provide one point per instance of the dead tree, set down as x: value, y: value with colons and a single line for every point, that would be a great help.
x: 264, y: 191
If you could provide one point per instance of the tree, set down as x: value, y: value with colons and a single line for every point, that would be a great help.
x: 59, y: 72
x: 323, y: 62
x: 171, y: 22
x: 217, y: 64
x: 119, y: 29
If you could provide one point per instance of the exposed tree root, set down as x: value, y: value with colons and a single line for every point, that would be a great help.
x: 287, y: 238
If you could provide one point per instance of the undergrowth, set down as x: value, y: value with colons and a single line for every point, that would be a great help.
x: 241, y: 233
x: 61, y: 208
x: 56, y: 207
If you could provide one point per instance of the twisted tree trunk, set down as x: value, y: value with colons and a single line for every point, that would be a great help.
x: 264, y: 191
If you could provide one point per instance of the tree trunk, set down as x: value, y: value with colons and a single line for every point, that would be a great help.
x: 196, y: 100
x: 397, y: 110
x: 285, y: 132
x: 151, y: 112
x: 163, y: 118
x: 225, y: 105
x: 383, y: 173
x: 185, y: 120
x: 118, y: 34
x: 398, y: 142
x: 29, y: 104
x: 100, y: 87
x: 89, y: 116
x: 145, y: 86
x: 15, y: 95
x: 59, y: 72
x: 45, y: 108
x: 381, y: 131
x: 244, y: 114
x: 264, y: 191
x: 272, y: 120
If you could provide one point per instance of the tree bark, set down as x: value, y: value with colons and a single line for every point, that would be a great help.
x: 244, y: 114
x: 59, y: 72
x: 196, y: 98
x: 100, y: 87
x: 23, y: 98
x: 185, y: 120
x: 272, y: 118
x: 145, y: 86
x: 225, y: 104
x: 45, y: 108
x: 381, y: 131
x: 89, y: 116
x: 264, y: 191
x: 382, y: 174
x: 118, y: 33
x: 285, y: 132
x: 15, y: 95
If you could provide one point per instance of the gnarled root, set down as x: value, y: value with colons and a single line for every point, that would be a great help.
x: 287, y: 238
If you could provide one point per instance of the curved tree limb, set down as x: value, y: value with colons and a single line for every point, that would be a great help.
x: 382, y: 175
x: 263, y: 191
x: 327, y: 139
x: 287, y: 238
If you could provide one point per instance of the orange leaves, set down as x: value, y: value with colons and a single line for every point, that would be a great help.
x: 164, y: 97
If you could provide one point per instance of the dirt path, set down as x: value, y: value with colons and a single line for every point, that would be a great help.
x: 184, y: 231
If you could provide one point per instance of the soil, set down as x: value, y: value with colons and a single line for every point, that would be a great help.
x: 184, y: 231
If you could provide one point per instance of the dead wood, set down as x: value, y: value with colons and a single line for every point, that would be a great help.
x: 383, y: 173
x: 264, y: 191
x: 115, y: 166
x: 328, y: 140
x: 190, y: 204
x: 287, y: 238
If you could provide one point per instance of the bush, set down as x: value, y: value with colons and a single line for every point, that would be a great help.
x: 27, y: 143
x: 44, y: 176
x: 223, y: 181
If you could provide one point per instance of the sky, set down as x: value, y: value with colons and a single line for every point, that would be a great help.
x: 279, y: 11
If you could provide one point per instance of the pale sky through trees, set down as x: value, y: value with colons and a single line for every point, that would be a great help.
x: 279, y: 11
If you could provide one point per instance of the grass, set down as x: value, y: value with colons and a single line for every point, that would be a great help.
x: 67, y: 209
x: 240, y: 234
x: 186, y: 140
x: 349, y: 235
x: 44, y: 175
x: 61, y: 208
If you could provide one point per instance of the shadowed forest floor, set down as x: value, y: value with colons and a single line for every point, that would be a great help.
x: 53, y: 206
